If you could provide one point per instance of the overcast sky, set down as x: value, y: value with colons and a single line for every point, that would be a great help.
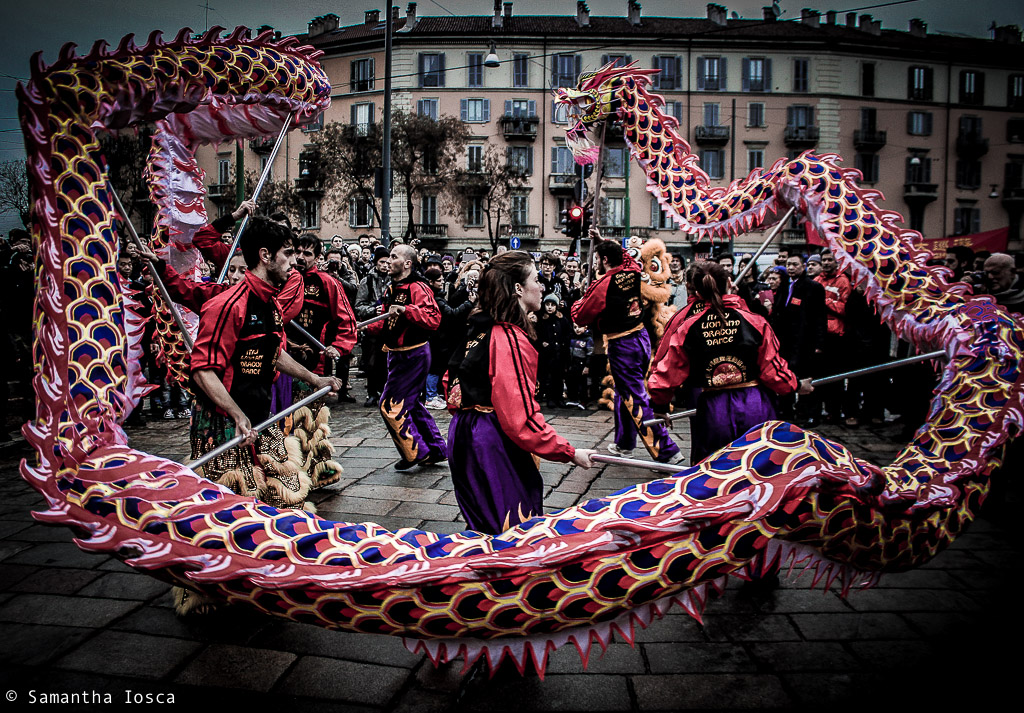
x: 46, y: 25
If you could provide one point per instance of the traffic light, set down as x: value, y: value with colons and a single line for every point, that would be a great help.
x: 587, y: 221
x: 572, y: 221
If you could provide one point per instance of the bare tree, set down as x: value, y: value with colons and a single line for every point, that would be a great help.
x: 343, y: 162
x: 14, y: 189
x: 487, y: 188
x: 126, y: 156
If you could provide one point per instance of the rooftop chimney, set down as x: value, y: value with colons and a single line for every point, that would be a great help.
x: 372, y: 17
x: 809, y: 17
x: 1009, y: 34
x: 873, y: 27
x: 410, y: 18
x: 394, y: 13
x: 323, y: 23
x: 830, y: 17
x: 582, y: 14
x: 496, y: 20
x: 508, y: 11
x: 633, y: 12
x: 918, y: 27
x: 851, y: 20
x: 717, y: 13
x: 769, y: 13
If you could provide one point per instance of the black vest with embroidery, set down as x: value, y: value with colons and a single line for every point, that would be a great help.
x: 399, y: 332
x: 623, y: 310
x: 471, y: 366
x: 316, y: 312
x: 255, y: 357
x: 723, y: 353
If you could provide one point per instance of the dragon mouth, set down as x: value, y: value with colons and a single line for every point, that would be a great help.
x: 217, y: 118
x: 584, y: 150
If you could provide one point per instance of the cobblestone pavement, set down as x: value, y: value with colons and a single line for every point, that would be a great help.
x: 74, y: 622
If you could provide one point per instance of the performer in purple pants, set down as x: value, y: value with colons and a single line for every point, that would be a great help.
x: 414, y: 314
x: 732, y: 355
x: 614, y: 301
x: 497, y: 430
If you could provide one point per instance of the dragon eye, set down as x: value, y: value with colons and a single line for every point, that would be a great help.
x: 655, y: 265
x: 634, y: 253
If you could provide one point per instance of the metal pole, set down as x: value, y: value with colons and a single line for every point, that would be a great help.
x: 764, y: 245
x: 207, y: 457
x: 648, y: 464
x: 309, y: 337
x: 256, y: 194
x: 829, y: 379
x: 185, y: 336
x: 385, y: 200
x: 379, y: 318
x: 598, y: 175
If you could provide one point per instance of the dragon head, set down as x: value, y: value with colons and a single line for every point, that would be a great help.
x: 592, y: 101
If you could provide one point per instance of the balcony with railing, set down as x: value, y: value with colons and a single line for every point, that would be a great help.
x: 262, y: 146
x: 869, y: 140
x: 220, y: 191
x: 527, y: 232
x: 431, y: 230
x: 562, y: 183
x: 971, y: 145
x: 920, y: 192
x: 801, y: 137
x: 709, y: 135
x: 519, y: 128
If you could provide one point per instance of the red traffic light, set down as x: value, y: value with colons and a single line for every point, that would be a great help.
x: 576, y: 213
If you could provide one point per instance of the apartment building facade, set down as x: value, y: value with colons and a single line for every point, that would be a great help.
x: 935, y: 122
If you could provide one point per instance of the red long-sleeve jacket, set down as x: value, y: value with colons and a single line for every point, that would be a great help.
x: 613, y: 301
x: 326, y: 314
x: 421, y: 316
x: 837, y: 292
x: 674, y: 365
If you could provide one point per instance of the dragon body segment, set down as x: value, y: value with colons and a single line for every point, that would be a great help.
x: 598, y: 567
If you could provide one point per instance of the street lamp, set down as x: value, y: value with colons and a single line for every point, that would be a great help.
x: 492, y: 58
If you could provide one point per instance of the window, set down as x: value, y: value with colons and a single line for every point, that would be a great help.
x: 1015, y: 130
x: 362, y: 117
x: 559, y: 113
x: 614, y: 212
x: 431, y: 69
x: 620, y: 60
x: 362, y: 75
x: 475, y: 159
x: 919, y: 83
x: 475, y: 66
x: 972, y: 87
x: 1015, y: 91
x: 315, y: 125
x: 757, y: 74
x: 520, y: 108
x: 671, y: 72
x: 427, y: 107
x: 475, y: 210
x: 867, y: 79
x: 868, y: 116
x: 562, y: 163
x: 711, y: 74
x: 868, y: 165
x: 476, y: 111
x: 223, y: 170
x: 711, y: 114
x: 755, y: 114
x: 360, y: 212
x: 755, y: 159
x: 675, y: 109
x: 970, y: 127
x: 264, y: 161
x: 430, y: 164
x: 615, y: 162
x: 800, y: 115
x: 564, y: 70
x: 920, y: 172
x: 520, y: 70
x: 519, y: 210
x: 660, y: 219
x: 919, y: 123
x: 521, y: 159
x: 428, y: 210
x: 801, y: 75
x: 311, y: 213
x: 966, y: 218
x: 711, y: 161
x: 968, y: 174
x: 1013, y: 175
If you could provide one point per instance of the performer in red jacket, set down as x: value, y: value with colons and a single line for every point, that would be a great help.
x: 613, y: 301
x: 732, y: 355
x: 497, y: 428
x: 414, y: 315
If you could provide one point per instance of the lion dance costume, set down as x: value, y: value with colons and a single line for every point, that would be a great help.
x: 574, y: 575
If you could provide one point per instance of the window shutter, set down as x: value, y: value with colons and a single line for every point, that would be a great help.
x: 979, y: 87
x: 373, y: 74
x: 508, y: 107
x: 487, y: 109
x: 701, y: 65
x: 352, y: 76
x: 928, y: 83
x: 554, y: 159
x: 910, y: 82
x: 440, y: 66
x: 464, y: 109
x: 529, y: 161
x: 963, y: 84
x: 554, y: 71
x: 531, y: 107
x: 355, y: 116
x: 419, y: 107
x: 654, y: 212
x: 352, y: 213
x: 679, y: 73
x: 928, y: 123
x: 976, y: 221
x: 721, y: 73
x: 768, y: 75
x: 370, y: 118
x: 910, y: 122
x: 604, y: 59
x: 579, y: 68
x: 628, y: 59
x: 790, y: 116
x: 746, y: 75
x: 420, y: 64
x: 810, y: 116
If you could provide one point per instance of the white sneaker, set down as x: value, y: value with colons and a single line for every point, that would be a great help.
x: 436, y: 404
x: 622, y: 452
x: 677, y: 458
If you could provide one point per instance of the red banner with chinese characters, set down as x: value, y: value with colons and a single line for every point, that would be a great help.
x: 992, y: 240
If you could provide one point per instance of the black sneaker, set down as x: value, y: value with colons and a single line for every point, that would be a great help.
x: 370, y: 402
x: 434, y: 458
x: 404, y: 464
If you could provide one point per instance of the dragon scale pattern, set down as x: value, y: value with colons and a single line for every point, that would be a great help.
x: 777, y: 493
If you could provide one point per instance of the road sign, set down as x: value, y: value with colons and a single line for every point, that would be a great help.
x: 514, y: 243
